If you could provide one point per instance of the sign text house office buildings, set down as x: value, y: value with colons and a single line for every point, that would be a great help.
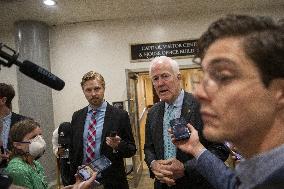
x: 144, y: 52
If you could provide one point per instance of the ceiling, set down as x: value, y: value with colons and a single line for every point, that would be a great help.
x: 73, y: 11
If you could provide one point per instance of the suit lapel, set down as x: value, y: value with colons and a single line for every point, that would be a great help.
x: 158, y: 129
x: 14, y: 119
x: 107, y: 124
x: 186, y: 104
x: 186, y: 114
x: 81, y: 123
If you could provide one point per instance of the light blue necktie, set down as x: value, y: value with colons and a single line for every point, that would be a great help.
x: 169, y: 147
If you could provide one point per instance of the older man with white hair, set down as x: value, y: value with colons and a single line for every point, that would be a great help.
x: 164, y: 160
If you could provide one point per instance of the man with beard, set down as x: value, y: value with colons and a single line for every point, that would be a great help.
x: 91, y: 129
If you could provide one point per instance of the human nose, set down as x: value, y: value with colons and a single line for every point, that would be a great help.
x: 93, y: 92
x: 199, y: 92
x: 159, y: 81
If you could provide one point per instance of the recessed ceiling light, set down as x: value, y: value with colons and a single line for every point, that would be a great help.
x: 49, y: 2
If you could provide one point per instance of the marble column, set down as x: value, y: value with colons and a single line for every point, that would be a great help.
x: 35, y: 99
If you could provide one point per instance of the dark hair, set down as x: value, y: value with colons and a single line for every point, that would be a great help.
x: 19, y: 131
x: 8, y: 92
x: 262, y: 38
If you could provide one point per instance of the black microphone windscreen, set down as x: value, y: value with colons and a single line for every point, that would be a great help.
x: 41, y: 75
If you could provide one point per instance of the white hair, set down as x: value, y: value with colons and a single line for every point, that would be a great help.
x: 163, y: 60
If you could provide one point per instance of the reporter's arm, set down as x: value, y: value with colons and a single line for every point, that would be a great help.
x: 206, y: 163
x: 215, y: 171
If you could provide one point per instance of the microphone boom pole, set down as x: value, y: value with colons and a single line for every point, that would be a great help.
x: 8, y: 57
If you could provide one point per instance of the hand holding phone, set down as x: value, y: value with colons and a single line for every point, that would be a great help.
x: 86, y: 172
x: 113, y: 140
x: 90, y: 183
x: 113, y: 133
x: 97, y: 166
x: 233, y: 151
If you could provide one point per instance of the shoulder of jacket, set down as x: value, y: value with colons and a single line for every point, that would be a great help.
x: 81, y: 110
x: 156, y: 106
x: 15, y: 115
x: 115, y: 110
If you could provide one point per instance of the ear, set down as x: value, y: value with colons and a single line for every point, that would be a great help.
x: 278, y: 87
x: 179, y: 76
x: 3, y: 100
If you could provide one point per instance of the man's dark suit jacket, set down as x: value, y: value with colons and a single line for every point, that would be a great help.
x: 154, y: 144
x: 115, y: 119
x: 14, y: 119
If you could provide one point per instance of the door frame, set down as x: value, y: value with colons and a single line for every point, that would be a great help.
x: 137, y: 165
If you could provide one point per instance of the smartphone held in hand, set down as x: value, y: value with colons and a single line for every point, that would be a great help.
x: 113, y: 133
x: 180, y: 130
x: 98, y: 166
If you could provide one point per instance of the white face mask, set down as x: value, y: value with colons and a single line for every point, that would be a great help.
x: 37, y: 147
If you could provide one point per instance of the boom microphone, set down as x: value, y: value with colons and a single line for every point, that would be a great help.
x: 41, y: 75
x: 9, y: 57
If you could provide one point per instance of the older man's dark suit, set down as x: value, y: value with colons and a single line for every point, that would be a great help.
x: 154, y: 144
x: 115, y: 119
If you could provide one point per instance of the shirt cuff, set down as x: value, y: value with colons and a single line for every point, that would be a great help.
x: 152, y: 163
x: 200, y: 153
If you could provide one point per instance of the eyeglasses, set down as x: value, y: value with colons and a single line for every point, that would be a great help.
x: 162, y: 77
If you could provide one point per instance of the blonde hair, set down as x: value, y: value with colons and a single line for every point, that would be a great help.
x: 92, y: 75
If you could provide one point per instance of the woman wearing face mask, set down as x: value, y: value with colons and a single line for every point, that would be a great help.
x: 28, y: 146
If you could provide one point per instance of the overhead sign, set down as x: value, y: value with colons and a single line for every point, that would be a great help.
x: 144, y: 52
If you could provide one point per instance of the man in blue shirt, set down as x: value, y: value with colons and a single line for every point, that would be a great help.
x: 91, y: 128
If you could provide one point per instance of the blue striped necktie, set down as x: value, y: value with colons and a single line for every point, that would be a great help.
x: 169, y: 147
